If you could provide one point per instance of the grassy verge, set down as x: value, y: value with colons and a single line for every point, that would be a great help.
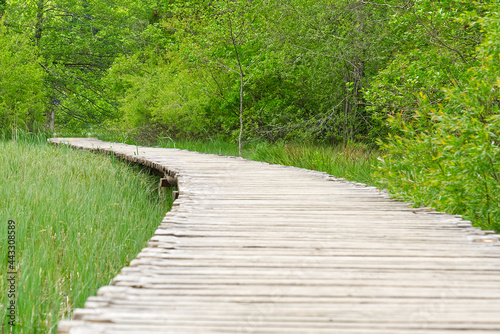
x: 79, y: 218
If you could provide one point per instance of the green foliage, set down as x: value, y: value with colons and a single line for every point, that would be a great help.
x: 155, y: 95
x: 78, y: 41
x: 436, y: 44
x: 332, y: 50
x: 22, y: 98
x: 447, y: 155
x: 2, y: 7
x: 286, y: 70
x: 77, y: 226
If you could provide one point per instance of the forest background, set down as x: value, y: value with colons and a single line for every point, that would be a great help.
x: 418, y: 79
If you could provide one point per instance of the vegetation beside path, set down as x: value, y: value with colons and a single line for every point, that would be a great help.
x: 80, y: 217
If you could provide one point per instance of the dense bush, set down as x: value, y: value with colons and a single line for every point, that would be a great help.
x: 447, y: 155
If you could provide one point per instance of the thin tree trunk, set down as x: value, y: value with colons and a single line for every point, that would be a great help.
x: 49, y: 121
x: 242, y: 83
x: 347, y: 114
x: 39, y: 21
x: 49, y: 114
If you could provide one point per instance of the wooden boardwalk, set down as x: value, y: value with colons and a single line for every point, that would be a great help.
x: 256, y: 248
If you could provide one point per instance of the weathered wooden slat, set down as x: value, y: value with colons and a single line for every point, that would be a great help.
x: 251, y: 247
x: 249, y: 327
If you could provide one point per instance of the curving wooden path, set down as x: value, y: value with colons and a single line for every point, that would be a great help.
x: 256, y: 248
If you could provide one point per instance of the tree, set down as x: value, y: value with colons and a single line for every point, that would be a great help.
x: 228, y: 40
x: 295, y: 70
x: 22, y: 94
x: 333, y: 49
x: 435, y: 47
x: 78, y: 41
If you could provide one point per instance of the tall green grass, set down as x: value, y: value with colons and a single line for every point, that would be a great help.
x: 353, y: 162
x: 80, y: 217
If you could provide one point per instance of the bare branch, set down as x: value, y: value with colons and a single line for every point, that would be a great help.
x: 440, y: 41
x: 221, y: 92
x: 407, y: 5
x: 227, y: 67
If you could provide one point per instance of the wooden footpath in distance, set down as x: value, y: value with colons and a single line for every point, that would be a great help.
x: 256, y: 248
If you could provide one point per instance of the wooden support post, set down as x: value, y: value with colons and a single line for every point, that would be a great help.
x: 168, y: 181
